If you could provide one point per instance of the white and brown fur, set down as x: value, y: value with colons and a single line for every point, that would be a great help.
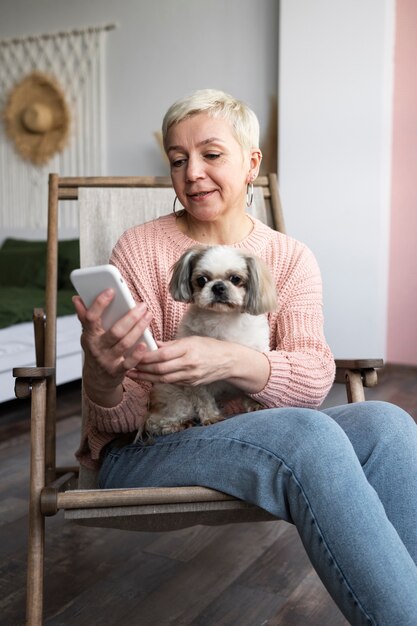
x: 229, y: 291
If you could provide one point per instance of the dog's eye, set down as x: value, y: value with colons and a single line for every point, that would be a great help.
x: 201, y: 281
x: 235, y: 280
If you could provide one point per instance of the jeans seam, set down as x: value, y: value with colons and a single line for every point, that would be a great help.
x: 342, y: 577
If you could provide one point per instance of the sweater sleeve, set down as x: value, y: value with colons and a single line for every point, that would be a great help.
x: 301, y: 364
x: 103, y: 424
x: 128, y: 415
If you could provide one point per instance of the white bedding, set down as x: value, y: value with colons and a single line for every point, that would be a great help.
x: 17, y: 348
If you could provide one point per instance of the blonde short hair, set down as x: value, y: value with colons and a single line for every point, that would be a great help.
x: 218, y: 104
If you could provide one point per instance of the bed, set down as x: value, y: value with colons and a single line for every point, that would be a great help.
x: 22, y: 283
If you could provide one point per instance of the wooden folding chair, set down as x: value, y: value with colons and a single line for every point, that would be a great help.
x: 72, y: 489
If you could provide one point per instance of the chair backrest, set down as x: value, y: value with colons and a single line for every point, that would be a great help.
x: 107, y: 207
x: 105, y: 213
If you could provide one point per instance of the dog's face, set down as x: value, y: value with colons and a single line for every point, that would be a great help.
x: 219, y: 280
x: 223, y: 279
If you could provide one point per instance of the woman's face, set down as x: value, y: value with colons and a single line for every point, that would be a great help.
x: 209, y: 168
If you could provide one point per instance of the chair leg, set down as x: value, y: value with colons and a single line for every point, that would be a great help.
x: 36, y: 542
x: 354, y: 386
x: 34, y: 596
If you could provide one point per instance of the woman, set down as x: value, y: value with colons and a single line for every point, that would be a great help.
x: 345, y: 476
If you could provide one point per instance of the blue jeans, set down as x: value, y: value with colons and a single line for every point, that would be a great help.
x: 345, y: 476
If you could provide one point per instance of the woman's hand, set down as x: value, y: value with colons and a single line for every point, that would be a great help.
x: 202, y: 360
x: 109, y: 354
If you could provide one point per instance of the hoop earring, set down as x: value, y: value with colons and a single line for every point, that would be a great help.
x: 249, y: 195
x: 179, y: 213
x: 173, y: 207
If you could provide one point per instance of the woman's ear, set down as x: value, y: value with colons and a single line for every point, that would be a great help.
x: 254, y: 164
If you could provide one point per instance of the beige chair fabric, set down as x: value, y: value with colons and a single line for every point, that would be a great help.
x: 117, y: 209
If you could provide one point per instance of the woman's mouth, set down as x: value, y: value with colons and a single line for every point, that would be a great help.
x: 200, y: 195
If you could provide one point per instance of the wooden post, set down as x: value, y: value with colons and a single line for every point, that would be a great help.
x: 50, y: 325
x: 34, y: 598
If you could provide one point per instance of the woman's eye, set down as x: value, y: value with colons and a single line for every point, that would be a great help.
x: 235, y: 280
x: 178, y: 162
x: 201, y: 281
x: 211, y: 156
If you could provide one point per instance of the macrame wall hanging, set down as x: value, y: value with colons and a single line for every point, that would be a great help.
x: 52, y: 109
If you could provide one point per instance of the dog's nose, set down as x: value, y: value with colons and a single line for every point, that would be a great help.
x: 219, y: 288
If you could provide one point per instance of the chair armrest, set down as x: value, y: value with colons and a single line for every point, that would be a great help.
x: 366, y: 368
x: 359, y: 364
x: 25, y: 375
x: 33, y: 372
x: 357, y: 374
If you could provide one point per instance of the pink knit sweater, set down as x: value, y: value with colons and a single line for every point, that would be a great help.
x: 301, y: 364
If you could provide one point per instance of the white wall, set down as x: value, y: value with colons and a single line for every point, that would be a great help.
x: 334, y: 83
x: 162, y: 50
x: 335, y: 86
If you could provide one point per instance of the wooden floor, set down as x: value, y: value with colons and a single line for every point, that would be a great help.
x: 238, y: 575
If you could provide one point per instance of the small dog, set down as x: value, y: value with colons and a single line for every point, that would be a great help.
x: 230, y: 291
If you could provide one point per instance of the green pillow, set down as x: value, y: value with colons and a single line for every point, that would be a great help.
x: 64, y: 302
x: 22, y: 262
x: 22, y: 266
x: 23, y: 244
x: 17, y: 304
x: 68, y: 260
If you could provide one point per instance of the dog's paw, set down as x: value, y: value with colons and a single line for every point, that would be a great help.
x: 251, y: 405
x: 211, y: 419
x: 163, y: 426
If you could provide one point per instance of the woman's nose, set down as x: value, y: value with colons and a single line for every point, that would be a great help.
x: 195, y: 169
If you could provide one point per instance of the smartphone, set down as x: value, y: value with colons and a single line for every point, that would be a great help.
x: 89, y: 282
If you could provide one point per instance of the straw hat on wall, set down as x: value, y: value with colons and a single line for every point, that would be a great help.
x: 37, y: 118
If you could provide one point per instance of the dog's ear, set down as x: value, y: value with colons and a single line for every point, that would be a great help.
x: 180, y: 284
x: 261, y: 293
